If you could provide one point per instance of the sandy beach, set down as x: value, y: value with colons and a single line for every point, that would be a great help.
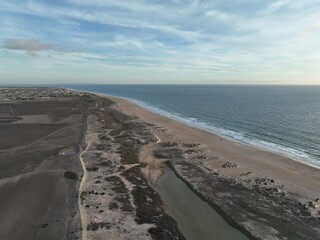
x: 271, y: 177
x: 297, y: 177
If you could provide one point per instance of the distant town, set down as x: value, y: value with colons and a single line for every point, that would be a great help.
x: 14, y: 94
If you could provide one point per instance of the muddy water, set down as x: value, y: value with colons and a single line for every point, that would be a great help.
x: 68, y: 151
x: 196, y: 218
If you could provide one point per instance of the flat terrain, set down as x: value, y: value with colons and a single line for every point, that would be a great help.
x: 7, y: 115
x: 39, y: 168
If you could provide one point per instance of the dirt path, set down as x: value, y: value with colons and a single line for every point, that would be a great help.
x: 83, y: 215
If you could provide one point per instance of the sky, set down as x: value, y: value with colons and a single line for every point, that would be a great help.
x: 160, y: 41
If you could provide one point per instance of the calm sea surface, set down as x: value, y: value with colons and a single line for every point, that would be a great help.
x: 284, y: 119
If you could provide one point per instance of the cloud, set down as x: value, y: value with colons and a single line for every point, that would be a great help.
x: 242, y: 38
x: 30, y: 46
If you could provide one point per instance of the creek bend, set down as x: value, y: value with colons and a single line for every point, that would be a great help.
x: 196, y: 218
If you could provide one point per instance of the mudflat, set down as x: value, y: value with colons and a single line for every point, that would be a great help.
x: 38, y: 182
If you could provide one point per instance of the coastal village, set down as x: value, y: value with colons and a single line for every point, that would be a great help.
x: 27, y: 94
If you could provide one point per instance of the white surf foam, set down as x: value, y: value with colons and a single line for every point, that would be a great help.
x: 241, y: 137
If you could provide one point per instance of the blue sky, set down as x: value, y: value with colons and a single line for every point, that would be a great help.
x: 167, y: 41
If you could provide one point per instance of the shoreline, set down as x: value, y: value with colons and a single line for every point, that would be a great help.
x: 262, y: 147
x: 211, y: 162
x: 282, y: 159
x: 155, y: 111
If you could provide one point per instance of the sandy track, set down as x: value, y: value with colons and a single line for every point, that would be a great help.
x: 83, y: 215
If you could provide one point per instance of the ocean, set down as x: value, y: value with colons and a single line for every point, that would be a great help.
x: 282, y: 119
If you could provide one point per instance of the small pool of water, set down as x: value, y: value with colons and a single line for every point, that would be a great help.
x: 68, y: 152
x: 196, y: 218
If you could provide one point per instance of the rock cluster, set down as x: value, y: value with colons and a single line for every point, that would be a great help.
x: 168, y: 144
x: 229, y: 165
x: 190, y: 145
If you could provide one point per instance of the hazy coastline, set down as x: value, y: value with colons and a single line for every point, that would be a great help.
x: 230, y: 135
x: 283, y: 148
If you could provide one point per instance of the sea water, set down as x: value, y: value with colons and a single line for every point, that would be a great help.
x: 282, y: 119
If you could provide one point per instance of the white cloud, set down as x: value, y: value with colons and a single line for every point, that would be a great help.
x: 199, y: 37
x: 28, y: 45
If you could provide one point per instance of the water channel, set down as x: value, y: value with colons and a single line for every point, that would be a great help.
x: 196, y: 218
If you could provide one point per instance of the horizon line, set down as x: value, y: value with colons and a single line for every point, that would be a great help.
x: 151, y: 84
